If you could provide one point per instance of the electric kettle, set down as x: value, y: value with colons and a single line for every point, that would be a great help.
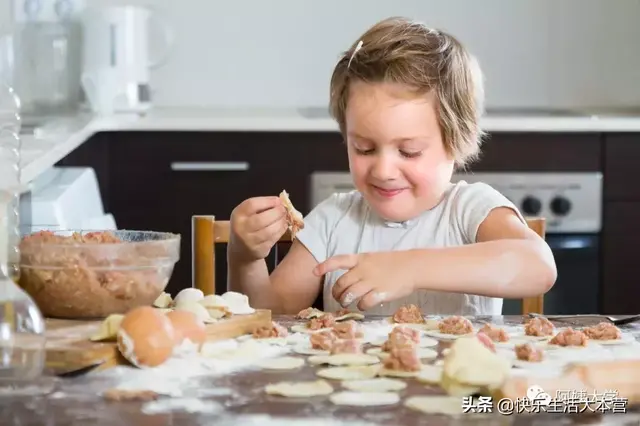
x: 116, y: 56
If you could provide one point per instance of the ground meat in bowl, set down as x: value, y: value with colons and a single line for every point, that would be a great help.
x: 95, y: 274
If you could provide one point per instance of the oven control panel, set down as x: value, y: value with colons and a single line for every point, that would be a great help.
x: 570, y: 202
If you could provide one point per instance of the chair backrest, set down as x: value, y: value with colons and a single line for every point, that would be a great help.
x: 207, y: 232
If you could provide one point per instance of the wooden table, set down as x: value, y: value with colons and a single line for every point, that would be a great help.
x: 248, y: 398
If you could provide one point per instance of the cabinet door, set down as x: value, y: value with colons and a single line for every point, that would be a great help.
x: 162, y: 179
x: 620, y: 290
x: 622, y: 152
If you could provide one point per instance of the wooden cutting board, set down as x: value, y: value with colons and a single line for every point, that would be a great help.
x: 68, y: 345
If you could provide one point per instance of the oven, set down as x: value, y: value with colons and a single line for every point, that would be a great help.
x: 571, y: 203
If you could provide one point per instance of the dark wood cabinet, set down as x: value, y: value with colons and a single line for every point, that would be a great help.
x: 621, y: 160
x: 159, y: 180
x: 620, y: 290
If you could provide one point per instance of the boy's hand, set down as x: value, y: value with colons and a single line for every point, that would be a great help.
x: 371, y: 278
x: 256, y: 225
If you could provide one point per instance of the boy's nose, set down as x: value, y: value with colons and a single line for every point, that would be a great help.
x: 384, y: 169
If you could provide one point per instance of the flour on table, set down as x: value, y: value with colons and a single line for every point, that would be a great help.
x: 266, y: 420
x: 283, y: 363
x: 380, y: 384
x: 364, y: 399
x: 299, y: 389
x: 189, y: 405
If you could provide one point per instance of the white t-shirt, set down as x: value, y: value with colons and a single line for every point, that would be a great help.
x: 345, y: 224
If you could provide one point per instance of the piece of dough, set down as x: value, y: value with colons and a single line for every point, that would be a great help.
x: 308, y: 350
x: 445, y: 336
x: 195, y: 307
x: 313, y: 313
x: 302, y: 328
x: 380, y: 384
x: 344, y: 359
x: 350, y: 315
x: 299, y: 389
x: 425, y: 342
x: 422, y: 353
x: 364, y: 399
x: 188, y: 295
x: 470, y: 362
x: 398, y: 373
x: 282, y: 363
x: 454, y: 388
x: 108, y: 329
x: 435, y: 404
x: 349, y: 373
x: 624, y: 340
x: 237, y: 303
x: 430, y: 374
x: 163, y: 301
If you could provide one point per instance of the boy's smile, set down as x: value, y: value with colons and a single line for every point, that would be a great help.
x: 396, y: 154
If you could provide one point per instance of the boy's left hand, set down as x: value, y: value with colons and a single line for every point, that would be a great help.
x: 372, y: 278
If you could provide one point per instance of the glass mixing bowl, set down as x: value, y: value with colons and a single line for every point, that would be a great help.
x: 92, y: 274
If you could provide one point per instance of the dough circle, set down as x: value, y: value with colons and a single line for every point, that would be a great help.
x: 379, y: 384
x: 364, y: 399
x: 398, y: 373
x: 281, y: 363
x: 349, y: 373
x: 425, y: 342
x: 299, y: 389
x: 445, y: 336
x: 430, y: 374
x: 435, y: 404
x: 350, y: 315
x: 344, y: 359
x: 302, y: 328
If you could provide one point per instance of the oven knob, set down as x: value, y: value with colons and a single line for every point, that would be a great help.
x: 560, y: 206
x: 531, y: 206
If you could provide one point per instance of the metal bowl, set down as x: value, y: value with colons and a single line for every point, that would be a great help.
x: 82, y: 274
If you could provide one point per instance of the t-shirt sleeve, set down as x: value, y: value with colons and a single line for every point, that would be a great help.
x: 474, y: 202
x: 320, y: 223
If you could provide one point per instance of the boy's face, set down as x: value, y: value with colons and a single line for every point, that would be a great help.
x: 396, y: 153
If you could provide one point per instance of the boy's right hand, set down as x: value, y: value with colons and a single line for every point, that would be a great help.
x: 256, y: 226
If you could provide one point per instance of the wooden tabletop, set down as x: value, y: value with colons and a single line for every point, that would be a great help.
x: 248, y: 399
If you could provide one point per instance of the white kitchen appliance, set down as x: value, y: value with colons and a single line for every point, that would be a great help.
x: 116, y: 56
x: 64, y: 198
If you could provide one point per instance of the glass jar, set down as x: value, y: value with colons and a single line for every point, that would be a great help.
x: 22, y: 327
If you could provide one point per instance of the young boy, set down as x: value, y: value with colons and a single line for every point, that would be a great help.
x: 407, y: 99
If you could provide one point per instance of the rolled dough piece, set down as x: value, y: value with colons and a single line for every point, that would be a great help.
x: 188, y: 295
x: 313, y: 313
x: 398, y: 373
x: 299, y: 389
x: 439, y: 363
x: 626, y: 339
x: 195, y: 307
x: 308, y: 350
x: 237, y: 303
x: 344, y: 359
x: 435, y: 404
x: 108, y: 328
x: 423, y: 353
x: 350, y: 315
x: 163, y: 301
x: 445, y: 336
x: 282, y: 363
x: 302, y: 328
x: 380, y: 384
x: 519, y: 335
x: 425, y: 342
x: 364, y: 399
x: 349, y: 373
x: 430, y: 374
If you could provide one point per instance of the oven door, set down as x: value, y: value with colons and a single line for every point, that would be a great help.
x: 577, y: 288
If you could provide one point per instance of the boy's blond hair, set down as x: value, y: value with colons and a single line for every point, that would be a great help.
x: 426, y: 60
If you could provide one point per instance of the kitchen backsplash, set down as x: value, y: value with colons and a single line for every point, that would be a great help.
x: 534, y: 53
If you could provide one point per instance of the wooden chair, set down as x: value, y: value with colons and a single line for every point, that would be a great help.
x: 207, y: 232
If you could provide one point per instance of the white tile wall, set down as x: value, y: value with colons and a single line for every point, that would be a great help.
x: 281, y: 52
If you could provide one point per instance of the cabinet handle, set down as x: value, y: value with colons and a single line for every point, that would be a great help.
x: 212, y: 166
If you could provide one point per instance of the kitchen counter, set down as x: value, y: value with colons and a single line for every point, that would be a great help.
x: 53, y: 141
x: 238, y: 399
